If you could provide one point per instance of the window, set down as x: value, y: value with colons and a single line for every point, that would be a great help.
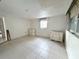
x: 43, y: 24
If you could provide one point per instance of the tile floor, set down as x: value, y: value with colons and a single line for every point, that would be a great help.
x: 32, y: 48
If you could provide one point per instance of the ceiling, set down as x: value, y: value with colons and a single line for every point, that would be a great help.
x: 34, y: 8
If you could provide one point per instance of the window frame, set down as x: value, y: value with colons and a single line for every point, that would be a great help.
x: 40, y: 25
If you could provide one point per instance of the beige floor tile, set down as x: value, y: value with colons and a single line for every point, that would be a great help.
x: 32, y: 48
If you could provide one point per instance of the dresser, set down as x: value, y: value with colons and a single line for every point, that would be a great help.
x: 56, y: 35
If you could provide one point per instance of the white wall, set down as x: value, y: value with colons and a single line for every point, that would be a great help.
x: 72, y: 45
x: 17, y: 27
x: 54, y: 23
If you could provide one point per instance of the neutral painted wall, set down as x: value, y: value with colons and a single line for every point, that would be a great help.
x: 58, y: 23
x: 72, y: 45
x: 72, y: 41
x: 17, y: 27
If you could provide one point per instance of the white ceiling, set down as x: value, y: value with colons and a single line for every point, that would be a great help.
x: 34, y: 8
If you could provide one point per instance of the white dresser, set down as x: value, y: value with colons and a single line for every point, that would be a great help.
x: 56, y: 35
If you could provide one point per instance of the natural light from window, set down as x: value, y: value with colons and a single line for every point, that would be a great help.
x: 43, y: 24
